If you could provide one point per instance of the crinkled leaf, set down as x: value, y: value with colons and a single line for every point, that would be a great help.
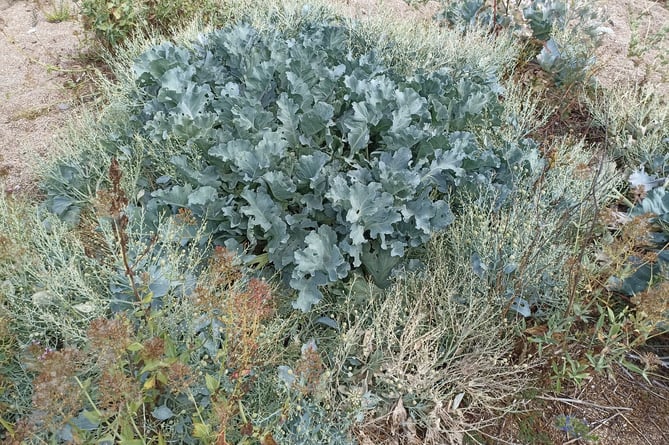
x: 357, y: 135
x: 203, y: 196
x: 194, y: 100
x: 428, y: 216
x: 321, y: 255
x: 639, y: 178
x: 307, y: 293
x: 379, y: 264
x: 280, y: 185
x: 311, y: 123
x: 176, y: 196
x: 261, y: 209
x: 309, y: 167
x: 656, y: 201
x: 549, y: 55
x: 231, y: 150
x: 287, y: 114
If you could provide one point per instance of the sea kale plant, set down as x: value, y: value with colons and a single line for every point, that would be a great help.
x: 303, y: 154
x: 565, y: 34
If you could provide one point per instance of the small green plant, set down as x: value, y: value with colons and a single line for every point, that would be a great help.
x: 567, y: 368
x: 59, y: 12
x: 575, y: 428
x: 576, y: 348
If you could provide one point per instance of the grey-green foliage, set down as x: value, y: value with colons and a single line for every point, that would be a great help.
x: 520, y: 250
x: 49, y: 292
x: 540, y: 15
x: 49, y: 286
x: 637, y: 129
x: 568, y: 31
x: 318, y: 159
x: 636, y: 123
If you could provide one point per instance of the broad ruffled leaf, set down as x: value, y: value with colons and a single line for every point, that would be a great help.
x: 357, y: 135
x: 202, y: 196
x: 656, y: 202
x: 379, y: 264
x: 194, y: 100
x: 261, y: 209
x: 321, y: 256
x: 639, y: 178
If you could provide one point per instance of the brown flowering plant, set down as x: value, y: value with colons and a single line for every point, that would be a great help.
x: 181, y: 370
x: 232, y: 310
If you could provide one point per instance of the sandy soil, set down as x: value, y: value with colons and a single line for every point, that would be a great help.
x: 637, y: 52
x: 35, y: 99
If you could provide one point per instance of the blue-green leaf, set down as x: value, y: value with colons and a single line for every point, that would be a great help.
x: 321, y: 256
x: 261, y: 209
x: 203, y: 196
x: 357, y: 135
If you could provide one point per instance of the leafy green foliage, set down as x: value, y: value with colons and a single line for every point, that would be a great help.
x: 319, y: 160
x: 323, y: 163
x: 533, y: 19
x: 566, y: 67
x: 112, y: 22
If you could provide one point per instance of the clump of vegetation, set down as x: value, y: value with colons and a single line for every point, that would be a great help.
x: 59, y: 11
x: 562, y: 35
x: 316, y: 160
x: 113, y: 23
x: 176, y: 360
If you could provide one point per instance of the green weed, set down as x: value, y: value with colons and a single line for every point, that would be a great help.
x: 59, y: 11
x: 113, y: 23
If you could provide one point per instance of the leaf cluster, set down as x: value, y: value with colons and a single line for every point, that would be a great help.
x: 644, y: 235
